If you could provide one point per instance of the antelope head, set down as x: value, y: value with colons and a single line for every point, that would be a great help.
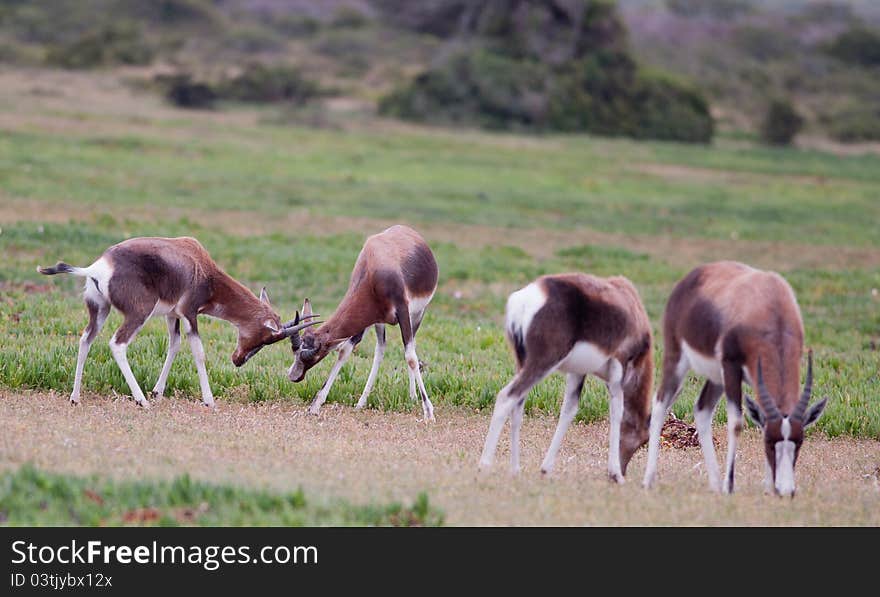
x: 783, y: 435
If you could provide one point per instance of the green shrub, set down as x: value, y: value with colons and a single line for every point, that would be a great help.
x: 604, y: 94
x: 264, y: 84
x: 857, y: 46
x: 856, y: 124
x: 527, y: 66
x: 668, y: 109
x: 347, y: 17
x: 110, y: 45
x: 781, y: 123
x: 474, y: 87
x: 184, y: 92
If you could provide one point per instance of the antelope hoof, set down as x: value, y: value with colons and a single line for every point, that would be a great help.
x: 615, y: 477
x: 157, y: 393
x: 144, y: 404
x: 314, y: 410
x: 74, y: 401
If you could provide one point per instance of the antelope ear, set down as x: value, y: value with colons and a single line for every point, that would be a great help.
x: 814, y: 413
x: 307, y: 308
x: 264, y: 296
x: 272, y: 326
x: 755, y: 413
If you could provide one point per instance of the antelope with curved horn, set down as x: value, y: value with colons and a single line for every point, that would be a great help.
x: 729, y: 322
x: 393, y: 280
x: 175, y: 278
x: 580, y: 325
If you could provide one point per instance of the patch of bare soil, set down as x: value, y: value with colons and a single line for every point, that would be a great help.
x: 679, y: 435
x: 679, y: 173
x: 371, y: 455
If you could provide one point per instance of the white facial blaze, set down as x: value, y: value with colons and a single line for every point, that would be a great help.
x: 785, y: 461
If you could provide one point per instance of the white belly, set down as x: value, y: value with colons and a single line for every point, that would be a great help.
x: 708, y: 367
x: 585, y: 359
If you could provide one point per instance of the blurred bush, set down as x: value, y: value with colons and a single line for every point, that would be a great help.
x: 716, y: 8
x: 528, y: 64
x: 118, y: 43
x: 858, y: 46
x: 781, y: 123
x: 262, y: 83
x: 184, y: 92
x: 856, y: 124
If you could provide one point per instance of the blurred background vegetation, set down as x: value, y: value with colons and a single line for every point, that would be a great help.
x: 660, y: 69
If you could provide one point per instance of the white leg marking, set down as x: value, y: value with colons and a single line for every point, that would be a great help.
x: 703, y: 423
x: 504, y: 404
x: 659, y: 411
x: 173, y: 348
x: 658, y: 417
x: 344, y: 352
x: 768, y: 477
x: 119, y: 354
x: 516, y: 419
x: 378, y: 355
x: 84, y: 346
x: 415, y: 374
x: 570, y: 401
x: 198, y: 350
x: 734, y: 425
x: 615, y: 388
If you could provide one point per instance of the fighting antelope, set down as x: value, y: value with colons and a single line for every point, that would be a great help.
x: 177, y: 279
x: 393, y: 281
x: 578, y: 324
x: 729, y: 322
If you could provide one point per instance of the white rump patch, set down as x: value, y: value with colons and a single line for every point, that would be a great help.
x: 585, y: 358
x: 101, y: 271
x: 708, y: 367
x: 417, y: 306
x: 522, y: 306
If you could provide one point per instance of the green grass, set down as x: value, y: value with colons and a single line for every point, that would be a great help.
x: 461, y: 341
x: 32, y: 497
x: 510, y: 183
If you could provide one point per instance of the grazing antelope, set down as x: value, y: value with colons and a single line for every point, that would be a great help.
x: 578, y: 324
x: 729, y: 322
x: 393, y: 281
x: 177, y: 279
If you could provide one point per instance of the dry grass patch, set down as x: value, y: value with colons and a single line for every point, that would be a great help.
x: 393, y: 456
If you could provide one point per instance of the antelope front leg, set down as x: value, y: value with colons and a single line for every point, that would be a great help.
x: 344, y: 352
x: 198, y: 351
x: 615, y: 388
x: 374, y: 370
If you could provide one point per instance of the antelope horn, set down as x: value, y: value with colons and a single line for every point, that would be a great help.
x: 770, y: 410
x: 290, y: 324
x: 801, y: 408
x: 294, y: 328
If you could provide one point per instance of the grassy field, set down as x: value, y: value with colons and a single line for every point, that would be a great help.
x: 85, y: 163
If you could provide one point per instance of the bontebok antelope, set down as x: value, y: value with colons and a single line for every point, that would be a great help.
x: 579, y: 325
x: 728, y: 322
x: 177, y: 279
x: 393, y: 281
